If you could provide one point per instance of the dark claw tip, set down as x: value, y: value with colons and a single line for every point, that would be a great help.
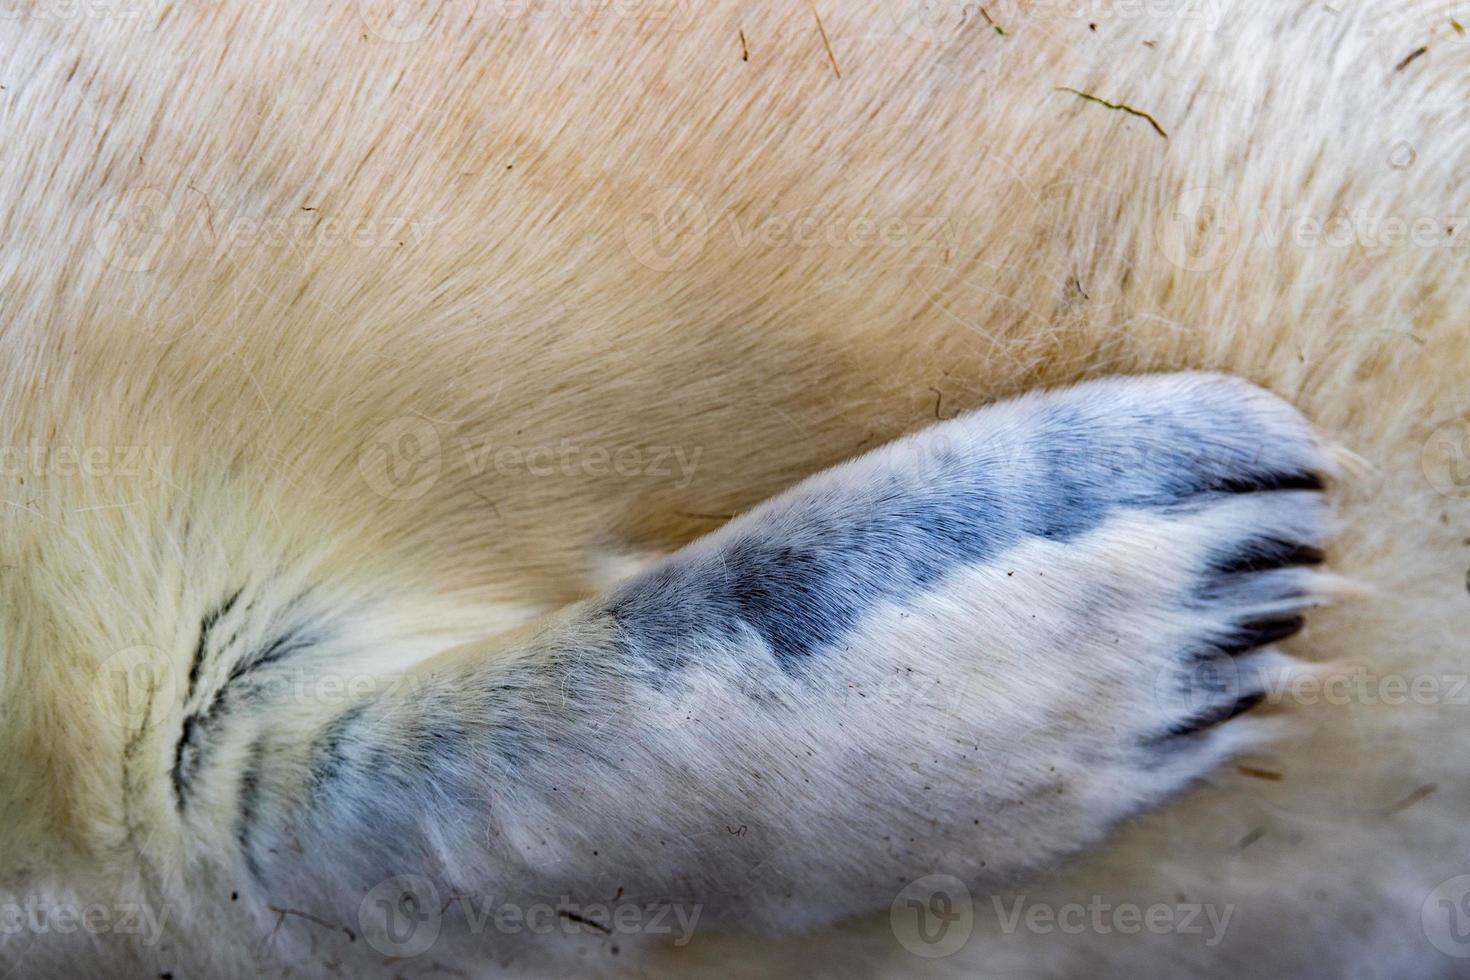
x: 1259, y: 632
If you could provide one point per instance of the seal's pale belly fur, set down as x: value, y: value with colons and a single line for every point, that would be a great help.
x: 344, y: 343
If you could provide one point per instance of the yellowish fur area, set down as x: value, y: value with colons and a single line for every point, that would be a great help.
x: 256, y: 241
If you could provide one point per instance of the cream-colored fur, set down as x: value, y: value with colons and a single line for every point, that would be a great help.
x: 445, y: 315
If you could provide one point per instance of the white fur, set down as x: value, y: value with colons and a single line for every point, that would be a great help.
x: 182, y: 295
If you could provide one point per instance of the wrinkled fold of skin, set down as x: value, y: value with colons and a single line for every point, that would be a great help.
x: 406, y: 563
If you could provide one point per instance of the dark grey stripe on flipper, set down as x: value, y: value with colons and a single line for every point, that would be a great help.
x: 1214, y: 715
x: 248, y: 808
x: 329, y: 758
x: 206, y: 632
x: 244, y: 683
x: 801, y: 580
x: 1267, y: 553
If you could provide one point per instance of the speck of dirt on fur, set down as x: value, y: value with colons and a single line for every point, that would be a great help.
x: 1419, y: 795
x: 1409, y: 58
x: 1269, y: 775
x: 1250, y: 838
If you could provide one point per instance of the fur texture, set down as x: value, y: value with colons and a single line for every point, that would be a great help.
x: 352, y: 334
